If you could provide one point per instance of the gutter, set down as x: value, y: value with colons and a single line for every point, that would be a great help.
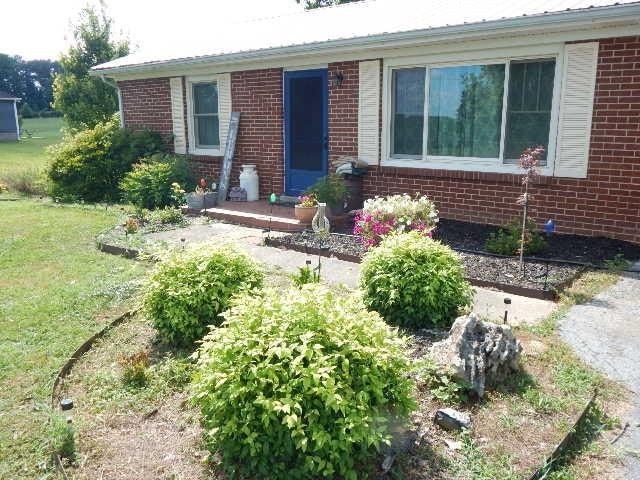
x: 630, y: 13
x: 112, y: 84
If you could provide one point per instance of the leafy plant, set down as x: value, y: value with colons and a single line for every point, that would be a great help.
x: 189, y: 289
x: 150, y: 183
x: 308, y: 201
x: 618, y: 263
x: 508, y: 240
x: 61, y: 437
x: 134, y: 369
x: 131, y: 226
x: 301, y: 385
x: 529, y: 162
x: 329, y: 189
x: 305, y: 275
x: 392, y: 214
x: 414, y: 281
x: 89, y: 165
x: 441, y: 384
x: 28, y: 182
x: 165, y: 216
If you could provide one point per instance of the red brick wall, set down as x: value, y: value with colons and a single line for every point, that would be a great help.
x: 257, y: 94
x: 606, y: 203
x: 147, y: 103
x: 343, y: 110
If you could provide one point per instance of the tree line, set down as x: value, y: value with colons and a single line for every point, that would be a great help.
x: 30, y: 80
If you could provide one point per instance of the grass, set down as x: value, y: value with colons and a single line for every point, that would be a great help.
x: 29, y: 153
x: 54, y: 284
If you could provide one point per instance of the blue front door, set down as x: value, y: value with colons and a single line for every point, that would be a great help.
x: 305, y: 129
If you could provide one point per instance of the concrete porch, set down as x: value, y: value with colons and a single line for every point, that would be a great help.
x: 260, y: 214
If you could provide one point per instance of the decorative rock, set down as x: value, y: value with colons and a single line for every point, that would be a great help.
x: 480, y: 353
x: 451, y: 419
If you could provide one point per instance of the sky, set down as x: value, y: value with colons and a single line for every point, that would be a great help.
x: 41, y: 28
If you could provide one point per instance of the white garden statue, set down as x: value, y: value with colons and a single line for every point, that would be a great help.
x: 320, y: 223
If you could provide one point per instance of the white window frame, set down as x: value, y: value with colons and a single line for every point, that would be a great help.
x: 474, y: 164
x: 193, y: 148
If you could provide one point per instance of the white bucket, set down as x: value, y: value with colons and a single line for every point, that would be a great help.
x: 249, y: 181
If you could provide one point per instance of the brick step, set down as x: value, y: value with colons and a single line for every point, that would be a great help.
x: 258, y: 220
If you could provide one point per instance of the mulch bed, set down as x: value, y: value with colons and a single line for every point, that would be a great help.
x: 541, y: 279
x: 544, y: 275
x: 573, y: 248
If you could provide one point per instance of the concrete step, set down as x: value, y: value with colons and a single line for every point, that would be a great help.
x: 258, y: 220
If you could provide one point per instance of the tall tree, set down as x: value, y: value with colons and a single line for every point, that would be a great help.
x: 30, y: 80
x: 309, y: 4
x: 84, y: 100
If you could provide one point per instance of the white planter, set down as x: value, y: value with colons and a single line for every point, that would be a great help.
x: 249, y: 181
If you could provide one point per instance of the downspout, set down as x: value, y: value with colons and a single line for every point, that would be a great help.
x: 115, y: 85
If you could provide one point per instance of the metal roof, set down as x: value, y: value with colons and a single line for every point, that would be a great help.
x: 360, y: 20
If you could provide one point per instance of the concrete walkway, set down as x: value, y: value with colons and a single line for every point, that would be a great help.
x: 488, y: 304
x: 605, y: 332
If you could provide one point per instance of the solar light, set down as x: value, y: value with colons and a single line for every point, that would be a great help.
x: 66, y: 404
x: 507, y: 303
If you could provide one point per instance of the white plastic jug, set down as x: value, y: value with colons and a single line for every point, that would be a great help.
x: 249, y: 181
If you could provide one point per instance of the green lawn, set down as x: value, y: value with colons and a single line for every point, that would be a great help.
x: 29, y: 153
x: 54, y: 284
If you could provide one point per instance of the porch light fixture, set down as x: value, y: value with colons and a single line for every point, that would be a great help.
x: 338, y: 78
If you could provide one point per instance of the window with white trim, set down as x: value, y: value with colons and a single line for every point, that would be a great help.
x: 206, y: 123
x: 474, y: 111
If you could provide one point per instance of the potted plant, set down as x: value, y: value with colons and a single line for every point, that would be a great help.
x: 332, y: 191
x: 203, y: 196
x: 306, y: 208
x: 210, y: 199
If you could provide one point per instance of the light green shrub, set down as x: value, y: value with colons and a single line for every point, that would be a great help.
x: 149, y: 184
x: 188, y: 290
x: 301, y: 385
x: 414, y: 281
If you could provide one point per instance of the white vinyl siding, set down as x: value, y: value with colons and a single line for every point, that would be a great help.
x: 177, y: 116
x: 224, y: 107
x: 576, y: 110
x: 368, y: 111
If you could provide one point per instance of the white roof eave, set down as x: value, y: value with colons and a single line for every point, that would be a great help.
x: 614, y: 15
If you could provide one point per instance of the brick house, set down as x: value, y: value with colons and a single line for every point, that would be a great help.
x: 438, y: 98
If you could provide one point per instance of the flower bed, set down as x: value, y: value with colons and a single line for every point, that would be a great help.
x: 541, y: 279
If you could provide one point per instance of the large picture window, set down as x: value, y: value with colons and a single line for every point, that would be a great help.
x: 205, y: 115
x: 466, y: 112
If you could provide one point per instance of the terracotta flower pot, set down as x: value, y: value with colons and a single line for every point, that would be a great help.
x: 305, y: 214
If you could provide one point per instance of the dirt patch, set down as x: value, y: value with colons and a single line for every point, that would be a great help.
x: 125, y: 433
x: 153, y: 432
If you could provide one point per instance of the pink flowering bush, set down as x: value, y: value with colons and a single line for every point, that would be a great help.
x: 382, y: 216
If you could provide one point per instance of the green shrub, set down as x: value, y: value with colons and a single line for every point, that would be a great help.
x: 301, y: 385
x: 506, y: 241
x: 28, y: 182
x: 189, y: 289
x: 90, y: 164
x: 330, y: 189
x: 149, y: 184
x: 414, y: 281
x: 165, y: 216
